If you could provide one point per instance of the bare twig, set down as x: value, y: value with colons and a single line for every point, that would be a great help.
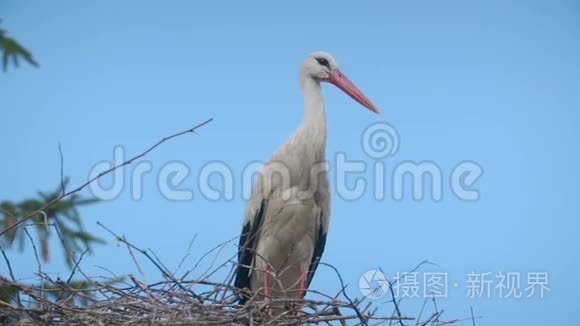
x: 62, y: 183
x: 163, y: 271
x: 11, y: 275
x: 361, y: 318
x: 91, y: 180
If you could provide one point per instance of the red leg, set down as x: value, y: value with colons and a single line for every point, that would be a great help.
x: 302, y: 284
x: 267, y: 289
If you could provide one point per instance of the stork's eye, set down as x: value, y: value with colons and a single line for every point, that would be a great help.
x: 323, y: 62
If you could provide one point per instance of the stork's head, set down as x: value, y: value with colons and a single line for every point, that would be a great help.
x: 321, y: 66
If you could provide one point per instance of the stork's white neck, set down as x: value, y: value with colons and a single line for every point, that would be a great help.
x: 313, y: 126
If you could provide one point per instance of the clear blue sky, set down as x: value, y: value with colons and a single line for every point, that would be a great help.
x: 495, y: 82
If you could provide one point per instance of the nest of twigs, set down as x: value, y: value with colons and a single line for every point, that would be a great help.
x: 169, y: 303
x: 179, y: 300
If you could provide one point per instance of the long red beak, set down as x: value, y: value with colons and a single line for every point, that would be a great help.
x: 341, y: 81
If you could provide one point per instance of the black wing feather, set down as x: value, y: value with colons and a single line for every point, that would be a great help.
x: 246, y: 247
x: 318, y: 250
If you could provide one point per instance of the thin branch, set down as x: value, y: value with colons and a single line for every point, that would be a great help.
x: 11, y: 275
x: 144, y: 252
x: 91, y: 180
x: 62, y: 183
x: 472, y: 316
x: 354, y: 307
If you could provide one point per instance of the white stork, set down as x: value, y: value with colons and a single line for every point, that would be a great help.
x: 286, y: 219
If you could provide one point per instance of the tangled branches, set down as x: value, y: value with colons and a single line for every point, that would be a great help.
x: 176, y: 300
x: 173, y: 301
x: 167, y: 304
